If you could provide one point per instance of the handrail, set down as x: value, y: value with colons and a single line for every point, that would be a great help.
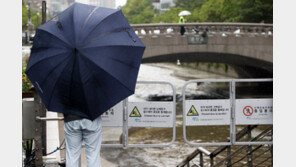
x: 238, y: 151
x: 202, y: 24
x: 239, y: 135
x: 193, y: 155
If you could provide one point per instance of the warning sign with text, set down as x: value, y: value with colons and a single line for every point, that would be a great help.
x: 253, y: 111
x: 207, y: 112
x: 114, y: 116
x: 150, y: 114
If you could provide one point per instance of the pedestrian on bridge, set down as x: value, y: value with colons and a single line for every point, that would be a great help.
x: 182, y: 20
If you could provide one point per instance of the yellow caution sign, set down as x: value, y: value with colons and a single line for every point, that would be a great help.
x: 135, y: 113
x: 192, y: 112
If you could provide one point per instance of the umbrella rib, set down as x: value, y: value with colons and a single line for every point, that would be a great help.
x: 107, y: 73
x: 45, y: 59
x: 104, y: 34
x: 114, y: 46
x: 68, y: 45
x: 92, y: 73
x: 45, y: 47
x: 101, y: 22
x: 86, y: 20
x: 54, y: 85
x: 122, y: 62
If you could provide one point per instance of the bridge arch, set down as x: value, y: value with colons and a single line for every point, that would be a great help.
x: 245, y: 66
x: 247, y: 47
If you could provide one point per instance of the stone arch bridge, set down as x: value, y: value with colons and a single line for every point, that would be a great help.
x: 247, y: 47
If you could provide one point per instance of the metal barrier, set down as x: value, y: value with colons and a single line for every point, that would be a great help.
x: 253, y: 111
x: 155, y: 114
x: 192, y: 117
x: 138, y: 114
x: 230, y: 112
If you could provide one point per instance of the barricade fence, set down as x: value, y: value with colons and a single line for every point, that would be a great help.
x: 202, y: 112
x: 230, y: 112
x: 126, y: 114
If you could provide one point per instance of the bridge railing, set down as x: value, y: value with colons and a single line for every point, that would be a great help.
x: 224, y: 29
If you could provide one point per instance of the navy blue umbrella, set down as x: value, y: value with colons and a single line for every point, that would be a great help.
x: 85, y: 60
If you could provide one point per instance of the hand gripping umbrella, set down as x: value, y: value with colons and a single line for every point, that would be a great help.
x: 85, y: 60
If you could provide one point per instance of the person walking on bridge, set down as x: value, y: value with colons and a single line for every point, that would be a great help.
x: 182, y: 21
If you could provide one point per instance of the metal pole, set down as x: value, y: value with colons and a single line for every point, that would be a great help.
x: 250, y: 161
x: 43, y: 113
x: 228, y: 155
x: 232, y: 126
x: 125, y: 126
x: 212, y: 160
x: 201, y: 164
x: 43, y: 11
x: 38, y: 134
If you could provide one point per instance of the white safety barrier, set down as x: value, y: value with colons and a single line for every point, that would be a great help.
x: 232, y: 112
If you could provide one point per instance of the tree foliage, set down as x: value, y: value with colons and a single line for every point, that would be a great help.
x: 138, y: 11
x: 255, y: 11
x: 35, y: 16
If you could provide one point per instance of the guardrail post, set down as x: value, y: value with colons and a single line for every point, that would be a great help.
x: 271, y: 148
x: 250, y: 161
x: 201, y: 164
x: 228, y: 155
x: 212, y: 160
x: 38, y: 134
x: 232, y: 120
x: 125, y: 126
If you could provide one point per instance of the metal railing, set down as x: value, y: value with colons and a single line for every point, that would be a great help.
x: 230, y: 108
x: 237, y: 29
x: 126, y: 112
x: 234, y: 156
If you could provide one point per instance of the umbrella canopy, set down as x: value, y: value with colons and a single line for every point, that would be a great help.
x: 184, y: 13
x: 85, y: 60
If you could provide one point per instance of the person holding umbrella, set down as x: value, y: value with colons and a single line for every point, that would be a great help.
x: 182, y: 20
x: 83, y: 62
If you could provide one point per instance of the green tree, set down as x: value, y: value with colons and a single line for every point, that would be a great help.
x: 169, y: 16
x: 237, y: 11
x: 256, y: 11
x: 211, y: 11
x: 24, y: 16
x: 190, y: 5
x: 138, y: 11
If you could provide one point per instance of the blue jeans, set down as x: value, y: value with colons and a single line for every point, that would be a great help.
x: 83, y: 130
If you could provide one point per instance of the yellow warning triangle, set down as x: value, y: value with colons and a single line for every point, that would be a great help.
x: 192, y: 112
x: 135, y: 113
